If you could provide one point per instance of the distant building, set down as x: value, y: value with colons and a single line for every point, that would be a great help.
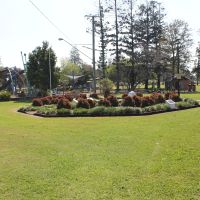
x: 185, y: 84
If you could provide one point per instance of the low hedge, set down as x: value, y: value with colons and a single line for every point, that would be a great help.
x: 5, y: 96
x: 64, y: 112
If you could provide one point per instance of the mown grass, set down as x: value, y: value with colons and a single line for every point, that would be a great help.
x: 195, y: 96
x: 149, y: 157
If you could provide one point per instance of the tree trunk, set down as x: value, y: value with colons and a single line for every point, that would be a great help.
x: 146, y: 84
x: 117, y: 45
x: 158, y: 81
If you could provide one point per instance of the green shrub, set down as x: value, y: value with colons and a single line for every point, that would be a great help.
x: 128, y: 110
x: 183, y: 104
x: 149, y: 109
x: 63, y: 112
x: 30, y: 108
x: 156, y: 108
x: 47, y: 110
x: 22, y: 109
x: 110, y: 111
x: 137, y: 110
x: 162, y: 107
x: 80, y: 111
x: 96, y: 111
x: 106, y: 85
x: 114, y: 111
x: 5, y: 96
x: 191, y: 101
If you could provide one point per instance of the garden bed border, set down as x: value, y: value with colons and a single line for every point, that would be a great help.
x: 117, y: 115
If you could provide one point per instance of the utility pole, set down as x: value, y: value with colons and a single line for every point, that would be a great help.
x: 93, y: 50
x: 178, y: 68
x: 93, y: 53
x: 50, y: 84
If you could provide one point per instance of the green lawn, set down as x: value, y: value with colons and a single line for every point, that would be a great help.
x: 195, y: 96
x: 150, y: 157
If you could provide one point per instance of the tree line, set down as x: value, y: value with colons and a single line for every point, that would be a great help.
x: 143, y: 46
x: 136, y: 44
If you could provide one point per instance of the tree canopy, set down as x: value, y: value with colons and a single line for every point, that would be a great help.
x: 42, y: 62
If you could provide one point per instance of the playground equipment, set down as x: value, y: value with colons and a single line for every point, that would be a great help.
x: 12, y: 79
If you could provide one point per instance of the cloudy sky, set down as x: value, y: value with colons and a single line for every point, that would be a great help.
x: 23, y: 27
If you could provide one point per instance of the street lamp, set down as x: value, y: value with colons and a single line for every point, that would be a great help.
x: 93, y: 54
x: 74, y: 46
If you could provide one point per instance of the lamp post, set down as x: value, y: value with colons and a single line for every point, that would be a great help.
x: 93, y: 52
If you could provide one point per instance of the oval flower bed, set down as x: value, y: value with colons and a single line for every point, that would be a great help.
x: 67, y: 105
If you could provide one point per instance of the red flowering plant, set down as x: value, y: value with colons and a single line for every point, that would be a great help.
x: 113, y: 100
x: 83, y: 103
x: 104, y: 102
x: 94, y: 95
x: 64, y: 103
x: 37, y: 102
x: 128, y: 101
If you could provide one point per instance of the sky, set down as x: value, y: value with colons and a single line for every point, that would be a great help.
x: 23, y: 28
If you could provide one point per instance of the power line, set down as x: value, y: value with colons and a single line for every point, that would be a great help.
x: 56, y: 27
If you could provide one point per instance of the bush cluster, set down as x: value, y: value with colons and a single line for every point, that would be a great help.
x: 158, y: 98
x: 64, y: 103
x: 48, y: 100
x: 64, y: 112
x: 5, y: 96
x: 127, y: 101
x: 82, y: 96
x: 173, y: 96
x: 83, y: 103
x: 69, y: 97
x: 142, y: 101
x: 124, y: 96
x: 104, y: 102
x: 91, y: 103
x: 191, y: 101
x: 37, y: 102
x: 94, y: 95
x: 113, y: 101
x: 110, y: 105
